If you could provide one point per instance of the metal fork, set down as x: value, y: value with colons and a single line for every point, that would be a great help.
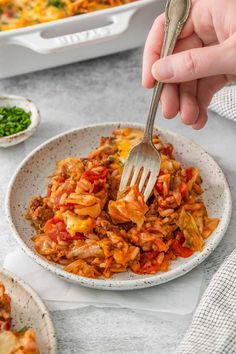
x: 144, y: 161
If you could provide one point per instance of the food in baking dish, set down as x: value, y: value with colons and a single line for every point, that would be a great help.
x: 82, y: 225
x: 22, y: 13
x: 13, y: 342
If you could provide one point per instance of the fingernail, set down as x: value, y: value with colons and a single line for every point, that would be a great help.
x: 162, y: 70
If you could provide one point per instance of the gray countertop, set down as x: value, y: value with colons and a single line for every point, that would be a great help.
x: 109, y: 89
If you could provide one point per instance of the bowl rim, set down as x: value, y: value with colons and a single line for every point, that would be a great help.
x: 111, y: 284
x: 39, y: 302
x: 35, y: 118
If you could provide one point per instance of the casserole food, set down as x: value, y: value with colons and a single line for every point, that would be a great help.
x: 77, y: 38
x: 29, y: 180
x: 22, y: 341
x: 23, y: 13
x: 25, y: 323
x: 81, y: 224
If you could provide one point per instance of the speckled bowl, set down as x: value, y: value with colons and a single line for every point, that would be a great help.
x: 28, y: 310
x: 31, y: 179
x: 28, y: 106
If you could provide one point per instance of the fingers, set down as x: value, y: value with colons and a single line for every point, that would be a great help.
x: 208, y: 87
x: 170, y: 101
x: 185, y: 100
x: 191, y: 65
x: 198, y: 70
x: 202, y: 119
x: 205, y: 91
x: 189, y: 108
x: 152, y: 50
x: 195, y: 97
x: 153, y: 47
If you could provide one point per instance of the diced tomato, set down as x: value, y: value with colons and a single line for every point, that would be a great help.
x: 50, y: 222
x: 183, y: 189
x: 180, y: 237
x: 189, y: 173
x: 97, y: 188
x: 93, y: 175
x: 149, y: 256
x: 148, y: 263
x: 181, y: 251
x: 9, y: 13
x: 4, y: 326
x: 168, y: 150
x: 60, y: 179
x: 56, y: 230
x: 78, y: 236
x: 149, y: 269
x: 161, y: 173
x: 159, y: 187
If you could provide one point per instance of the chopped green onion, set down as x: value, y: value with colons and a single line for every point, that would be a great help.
x: 57, y: 3
x: 111, y: 158
x: 13, y: 120
x: 23, y: 329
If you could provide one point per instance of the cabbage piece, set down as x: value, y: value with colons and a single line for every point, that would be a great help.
x: 129, y: 207
x: 188, y: 226
x: 85, y: 204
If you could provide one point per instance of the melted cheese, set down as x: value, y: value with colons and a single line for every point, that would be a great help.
x: 125, y: 142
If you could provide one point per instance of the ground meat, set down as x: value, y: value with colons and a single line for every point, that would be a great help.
x: 39, y: 212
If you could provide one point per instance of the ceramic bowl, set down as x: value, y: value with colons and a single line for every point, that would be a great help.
x: 28, y: 106
x: 28, y: 310
x: 31, y: 179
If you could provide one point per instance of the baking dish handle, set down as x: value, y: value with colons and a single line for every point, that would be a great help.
x: 35, y: 41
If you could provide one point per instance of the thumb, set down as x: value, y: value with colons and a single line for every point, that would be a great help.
x: 193, y: 64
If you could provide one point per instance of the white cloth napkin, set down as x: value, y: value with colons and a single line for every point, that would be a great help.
x: 213, y: 328
x: 178, y: 297
x: 224, y: 102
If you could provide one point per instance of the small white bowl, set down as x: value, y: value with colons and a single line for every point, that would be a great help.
x: 28, y: 106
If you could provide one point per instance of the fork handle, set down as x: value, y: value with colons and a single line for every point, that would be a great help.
x: 176, y: 14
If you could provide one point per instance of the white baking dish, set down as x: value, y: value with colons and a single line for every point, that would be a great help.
x: 76, y: 38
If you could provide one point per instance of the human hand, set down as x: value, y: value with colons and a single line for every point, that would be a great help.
x: 204, y: 60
